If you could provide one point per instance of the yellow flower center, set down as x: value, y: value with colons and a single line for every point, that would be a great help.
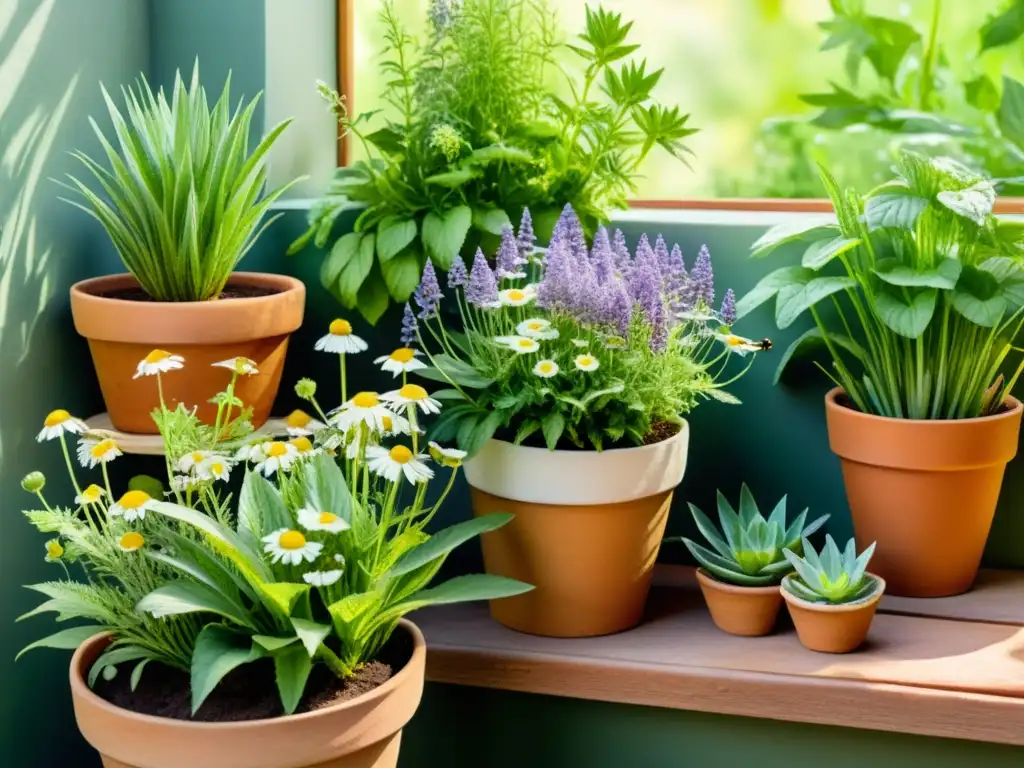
x: 535, y: 326
x: 341, y: 328
x: 734, y: 341
x: 291, y: 540
x: 277, y: 449
x: 585, y: 361
x: 413, y: 392
x: 157, y: 355
x: 54, y: 549
x: 92, y: 493
x: 545, y: 367
x: 526, y: 343
x: 102, y: 448
x: 302, y: 444
x: 400, y: 454
x: 53, y: 418
x: 365, y: 400
x: 298, y: 419
x: 217, y: 468
x: 132, y: 540
x: 326, y: 518
x: 134, y: 499
x: 196, y: 457
x: 387, y: 423
x: 403, y: 355
x: 515, y: 295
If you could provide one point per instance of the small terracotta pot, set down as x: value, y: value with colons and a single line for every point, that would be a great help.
x: 586, y: 532
x: 925, y: 491
x: 745, y: 611
x: 832, y: 628
x: 364, y: 732
x: 121, y: 333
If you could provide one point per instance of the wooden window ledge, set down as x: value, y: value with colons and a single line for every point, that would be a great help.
x: 952, y: 667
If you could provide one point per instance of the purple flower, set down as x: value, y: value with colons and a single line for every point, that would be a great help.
x: 727, y: 314
x: 661, y: 252
x: 659, y: 328
x: 482, y: 290
x: 457, y: 277
x: 526, y: 239
x: 602, y: 256
x: 587, y: 297
x: 555, y: 290
x: 428, y: 294
x: 675, y: 284
x: 620, y: 307
x: 623, y: 259
x: 645, y: 286
x: 410, y: 330
x: 702, y: 280
x: 509, y: 261
x: 569, y: 232
x: 645, y: 256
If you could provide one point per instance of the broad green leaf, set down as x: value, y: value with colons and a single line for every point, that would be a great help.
x: 906, y: 311
x: 114, y: 656
x: 460, y: 589
x: 1005, y: 27
x: 770, y: 285
x: 944, y: 276
x: 325, y: 487
x: 492, y: 220
x: 311, y: 634
x: 978, y: 298
x: 725, y: 569
x: 810, y: 343
x: 402, y: 274
x: 66, y: 639
x: 453, y: 179
x: 218, y: 651
x: 821, y: 252
x: 894, y: 205
x: 1011, y: 111
x: 372, y: 299
x: 709, y: 532
x: 982, y: 93
x: 356, y: 271
x: 133, y: 681
x: 224, y: 540
x: 272, y: 644
x: 181, y: 597
x: 393, y: 235
x: 285, y: 594
x: 388, y: 140
x: 449, y: 369
x: 261, y: 509
x: 789, y: 231
x: 499, y: 153
x: 552, y: 425
x: 444, y: 233
x: 443, y: 542
x: 748, y: 506
x: 974, y: 203
x: 342, y: 252
x: 292, y: 666
x: 794, y: 300
x: 482, y: 432
x: 1009, y: 273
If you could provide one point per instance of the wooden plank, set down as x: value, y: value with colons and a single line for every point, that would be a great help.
x: 153, y: 445
x: 1003, y: 205
x: 346, y: 68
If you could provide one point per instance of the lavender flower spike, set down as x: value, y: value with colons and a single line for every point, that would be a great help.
x: 727, y: 314
x: 509, y: 260
x: 661, y: 251
x: 569, y: 231
x: 410, y: 330
x: 482, y: 290
x: 428, y: 295
x: 602, y: 256
x: 703, y: 278
x: 623, y: 259
x: 526, y: 240
x: 457, y: 275
x: 675, y: 284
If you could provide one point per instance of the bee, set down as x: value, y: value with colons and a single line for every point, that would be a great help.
x: 765, y: 344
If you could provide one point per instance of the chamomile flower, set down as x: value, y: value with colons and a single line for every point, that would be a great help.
x: 305, y: 447
x: 182, y: 483
x: 315, y: 520
x: 91, y: 494
x: 397, y: 461
x: 301, y: 424
x: 340, y: 340
x: 537, y: 328
x: 158, y: 361
x: 290, y: 547
x: 741, y: 345
x: 446, y: 457
x: 277, y: 456
x: 396, y: 424
x: 92, y: 452
x: 402, y: 360
x: 131, y: 541
x: 322, y: 578
x: 251, y: 452
x: 132, y: 505
x: 580, y: 343
x: 364, y: 408
x: 57, y: 423
x: 515, y: 297
x: 586, y: 363
x: 214, y: 469
x: 521, y: 344
x: 190, y: 461
x: 412, y: 394
x: 54, y: 551
x: 545, y: 369
x: 243, y: 366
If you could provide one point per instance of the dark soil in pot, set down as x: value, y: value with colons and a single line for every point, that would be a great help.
x: 249, y: 692
x: 231, y: 292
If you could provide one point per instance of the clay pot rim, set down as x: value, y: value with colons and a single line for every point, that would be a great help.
x: 737, y: 589
x: 684, y: 428
x: 838, y: 608
x: 87, y: 290
x: 832, y: 404
x: 82, y: 690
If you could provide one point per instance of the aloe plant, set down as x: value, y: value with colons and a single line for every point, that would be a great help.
x: 833, y: 576
x: 751, y: 552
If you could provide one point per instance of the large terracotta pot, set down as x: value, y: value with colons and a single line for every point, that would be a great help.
x: 122, y: 332
x: 586, y: 531
x: 925, y: 491
x: 744, y: 611
x: 832, y: 628
x: 364, y: 732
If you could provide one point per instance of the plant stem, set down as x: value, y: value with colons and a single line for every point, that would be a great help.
x: 928, y: 62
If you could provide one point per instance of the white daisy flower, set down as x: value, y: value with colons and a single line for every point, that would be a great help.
x: 92, y: 452
x: 741, y: 345
x: 580, y: 343
x: 315, y: 520
x: 398, y: 461
x: 322, y: 578
x: 446, y: 457
x: 277, y: 456
x: 340, y: 340
x: 412, y: 394
x: 339, y: 559
x: 243, y: 366
x: 214, y: 469
x: 158, y: 361
x: 57, y: 423
x: 521, y: 344
x: 290, y: 547
x: 364, y: 408
x: 587, y: 363
x: 515, y: 297
x: 91, y: 494
x: 182, y: 483
x: 402, y: 360
x: 396, y: 424
x: 301, y: 424
x: 305, y: 447
x: 546, y: 369
x: 190, y: 461
x: 131, y: 541
x: 537, y: 328
x: 252, y: 452
x: 132, y: 505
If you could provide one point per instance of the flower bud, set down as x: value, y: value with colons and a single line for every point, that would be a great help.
x: 33, y: 482
x: 305, y: 388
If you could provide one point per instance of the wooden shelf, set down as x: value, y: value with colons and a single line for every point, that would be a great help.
x: 952, y: 673
x: 153, y: 445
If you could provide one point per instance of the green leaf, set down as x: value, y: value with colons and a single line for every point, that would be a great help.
x: 709, y: 532
x: 285, y: 594
x: 373, y: 299
x: 114, y: 656
x: 794, y: 300
x: 443, y: 542
x: 974, y: 203
x: 1009, y: 273
x: 977, y: 297
x: 552, y: 425
x: 393, y: 234
x: 492, y: 220
x: 147, y: 484
x: 482, y: 432
x: 453, y: 179
x: 387, y: 140
x: 811, y: 342
x: 356, y: 271
x: 261, y: 509
x: 499, y: 153
x: 292, y: 666
x: 461, y: 589
x: 181, y: 597
x: 133, y: 682
x: 1003, y: 28
x: 342, y: 252
x: 448, y: 369
x: 944, y: 276
x: 311, y: 634
x: 1011, y: 111
x: 982, y: 94
x: 402, y: 274
x: 273, y: 644
x: 907, y: 311
x: 444, y: 233
x: 821, y: 252
x: 66, y: 639
x: 770, y: 285
x: 325, y: 487
x: 217, y: 652
x: 790, y: 231
x: 897, y: 207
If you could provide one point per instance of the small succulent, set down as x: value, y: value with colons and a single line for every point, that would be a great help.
x: 832, y: 576
x: 751, y: 554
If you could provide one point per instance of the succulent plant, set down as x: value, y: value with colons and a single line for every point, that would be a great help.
x: 833, y: 576
x: 751, y: 553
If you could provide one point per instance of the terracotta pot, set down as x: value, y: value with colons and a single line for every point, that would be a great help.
x: 586, y: 531
x: 364, y: 732
x: 121, y: 333
x: 745, y: 611
x: 832, y: 628
x: 925, y: 491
